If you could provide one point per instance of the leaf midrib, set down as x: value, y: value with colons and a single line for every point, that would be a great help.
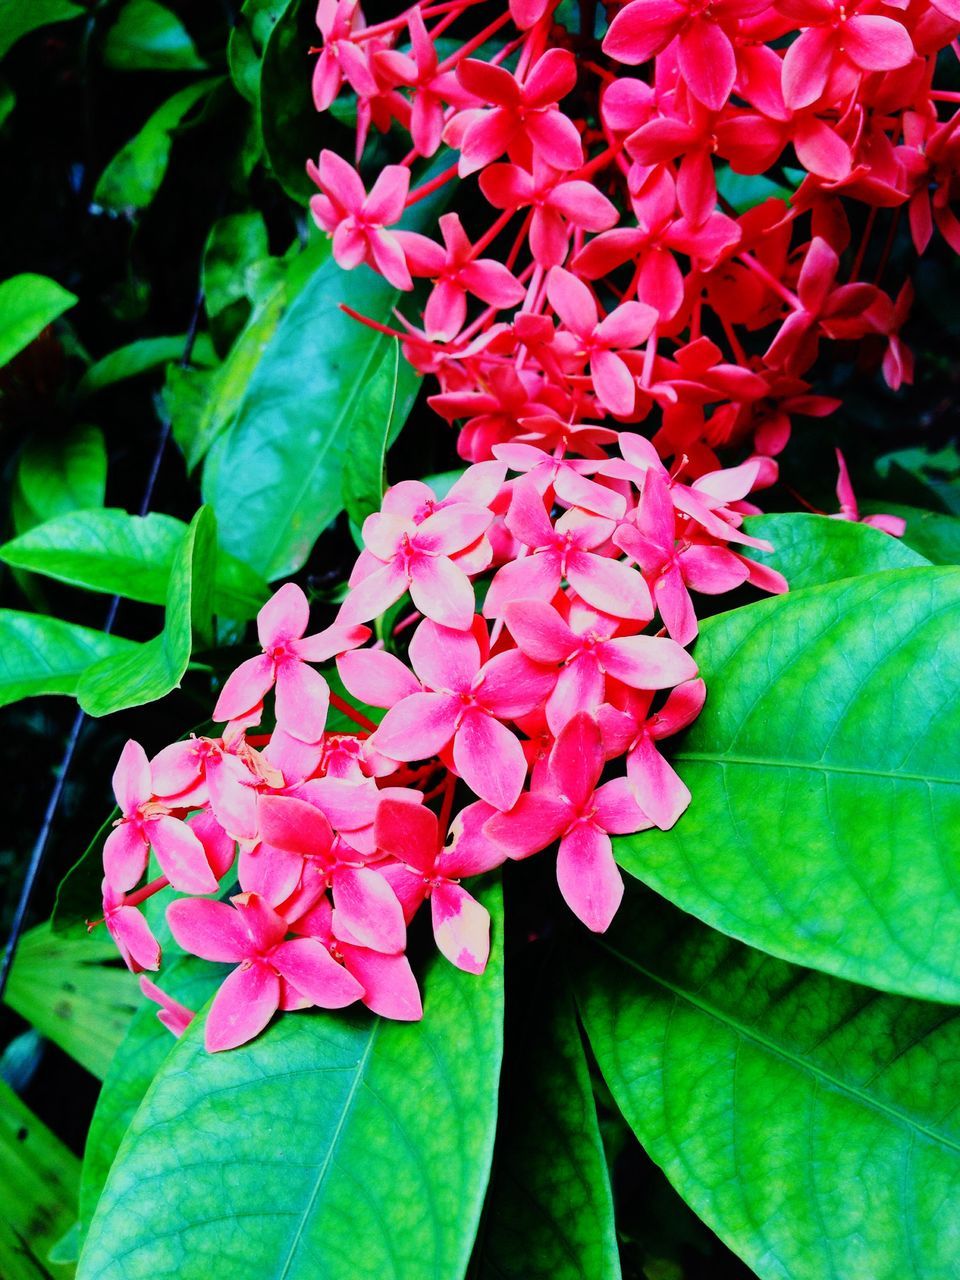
x: 716, y: 757
x: 803, y: 1065
x: 331, y: 1151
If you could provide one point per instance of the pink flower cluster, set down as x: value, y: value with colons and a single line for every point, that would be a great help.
x: 327, y: 840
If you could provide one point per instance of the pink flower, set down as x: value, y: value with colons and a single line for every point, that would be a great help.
x: 570, y: 806
x: 302, y: 693
x: 465, y: 701
x: 175, y: 1016
x: 271, y: 973
x: 340, y: 58
x: 432, y: 87
x: 837, y: 36
x: 850, y: 509
x: 130, y: 931
x: 358, y: 221
x: 411, y: 834
x: 147, y: 823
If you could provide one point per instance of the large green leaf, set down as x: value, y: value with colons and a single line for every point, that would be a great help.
x: 137, y: 1060
x: 275, y: 482
x: 825, y: 821
x: 72, y: 991
x: 549, y: 1210
x: 59, y: 475
x: 249, y: 36
x: 370, y: 434
x: 39, y: 1176
x: 133, y: 176
x: 933, y: 535
x: 17, y: 19
x: 336, y: 1145
x: 147, y: 36
x: 812, y: 1123
x: 141, y: 357
x: 156, y: 667
x: 289, y: 123
x: 28, y: 303
x: 236, y: 246
x: 40, y: 654
x: 129, y: 556
x: 810, y: 550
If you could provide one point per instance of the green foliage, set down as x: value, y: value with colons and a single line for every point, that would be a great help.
x: 549, y: 1211
x: 824, y: 800
x: 133, y: 177
x: 154, y: 668
x: 41, y: 654
x: 28, y: 303
x: 371, y: 432
x: 140, y: 357
x: 55, y: 477
x: 290, y: 127
x: 349, y: 1147
x: 39, y: 1176
x: 18, y: 19
x: 275, y: 481
x: 809, y: 1121
x: 72, y: 991
x: 810, y: 550
x: 129, y: 556
x: 935, y: 536
x: 147, y: 36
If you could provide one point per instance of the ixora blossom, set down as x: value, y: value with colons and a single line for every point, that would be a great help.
x: 625, y: 355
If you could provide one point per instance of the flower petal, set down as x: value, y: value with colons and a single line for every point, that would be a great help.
x: 243, y: 1006
x: 309, y: 966
x: 461, y: 927
x: 588, y: 877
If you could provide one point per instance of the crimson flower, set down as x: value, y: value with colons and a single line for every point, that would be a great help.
x: 358, y: 221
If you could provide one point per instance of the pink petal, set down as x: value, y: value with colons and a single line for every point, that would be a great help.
x: 676, y: 608
x: 294, y: 825
x: 613, y: 383
x: 580, y: 687
x: 533, y: 577
x: 270, y: 872
x: 309, y: 966
x: 712, y: 570
x: 618, y: 812
x: 131, y: 778
x: 418, y: 727
x: 384, y: 204
x: 366, y: 911
x: 284, y: 617
x: 176, y: 768
x: 181, y: 855
x: 489, y: 759
x: 647, y: 662
x: 134, y: 939
x: 806, y: 66
x: 243, y: 1006
x: 707, y: 62
x: 409, y: 832
x: 555, y: 139
x: 244, y: 688
x: 444, y: 659
x: 572, y: 301
x: 330, y: 642
x: 511, y: 685
x: 588, y: 877
x: 642, y: 29
x: 539, y: 630
x: 527, y: 518
x: 125, y: 853
x: 341, y: 181
x: 303, y: 697
x: 210, y: 930
x: 470, y: 852
x: 876, y: 43
x: 551, y: 78
x: 220, y: 849
x: 377, y: 592
x: 375, y: 677
x: 461, y: 927
x: 265, y: 928
x: 390, y: 988
x: 576, y: 760
x: 233, y: 796
x: 535, y: 821
x: 660, y: 792
x: 442, y: 591
x: 610, y: 586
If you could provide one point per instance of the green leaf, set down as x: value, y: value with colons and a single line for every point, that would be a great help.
x: 549, y: 1210
x: 248, y: 39
x: 744, y: 191
x: 290, y: 125
x: 129, y: 556
x: 40, y: 654
x: 137, y: 1060
x: 39, y: 1176
x: 935, y: 536
x: 8, y: 100
x: 28, y: 303
x: 55, y: 477
x: 72, y: 991
x: 158, y: 666
x: 141, y: 357
x: 810, y: 550
x: 335, y: 1144
x: 826, y: 793
x: 235, y: 245
x: 276, y: 480
x: 370, y: 434
x: 133, y: 176
x: 149, y: 37
x: 809, y: 1121
x: 17, y: 18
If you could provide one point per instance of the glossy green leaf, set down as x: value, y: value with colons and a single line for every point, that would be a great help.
x: 811, y: 1122
x: 129, y: 556
x: 28, y: 303
x: 290, y: 125
x: 19, y: 17
x: 142, y: 357
x: 935, y: 536
x: 137, y: 1060
x: 147, y: 36
x: 40, y: 654
x: 335, y: 1144
x: 276, y: 480
x: 73, y: 992
x: 372, y: 431
x: 158, y: 666
x: 826, y: 793
x: 549, y: 1209
x: 248, y: 40
x: 133, y: 176
x: 810, y: 550
x: 60, y: 475
x: 39, y: 1176
x: 235, y: 245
